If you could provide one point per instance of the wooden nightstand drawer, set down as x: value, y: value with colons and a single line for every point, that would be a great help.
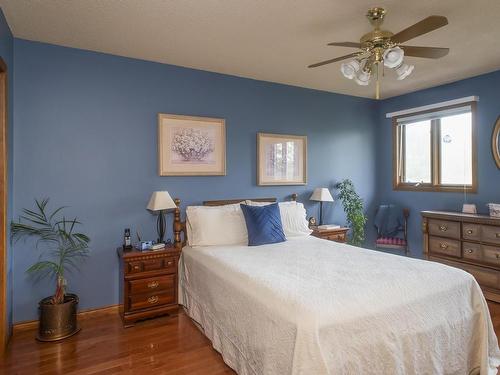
x: 152, y: 265
x: 444, y: 246
x: 337, y: 234
x: 336, y: 237
x: 444, y: 228
x: 170, y: 264
x: 146, y: 301
x: 152, y: 284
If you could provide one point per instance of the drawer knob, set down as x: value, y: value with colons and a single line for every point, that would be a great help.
x: 443, y: 228
x: 136, y: 267
x: 153, y: 299
x: 470, y: 231
x: 169, y: 263
x: 443, y: 246
x: 470, y: 251
x: 153, y: 284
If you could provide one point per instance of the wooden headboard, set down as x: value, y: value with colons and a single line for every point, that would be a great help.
x: 180, y: 226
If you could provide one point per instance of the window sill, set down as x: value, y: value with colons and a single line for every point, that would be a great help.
x: 436, y: 188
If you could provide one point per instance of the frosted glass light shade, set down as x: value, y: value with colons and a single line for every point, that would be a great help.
x: 363, y: 78
x: 404, y: 71
x: 160, y: 200
x: 350, y: 69
x: 393, y: 57
x: 321, y: 195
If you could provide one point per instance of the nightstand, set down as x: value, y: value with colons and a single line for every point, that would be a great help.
x: 148, y: 283
x: 337, y: 234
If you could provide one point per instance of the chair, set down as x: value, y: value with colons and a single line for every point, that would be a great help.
x: 391, y: 223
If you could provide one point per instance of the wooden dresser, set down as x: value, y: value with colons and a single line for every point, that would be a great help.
x: 337, y: 234
x: 469, y: 242
x: 148, y: 283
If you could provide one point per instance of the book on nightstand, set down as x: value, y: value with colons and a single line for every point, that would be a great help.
x: 328, y: 227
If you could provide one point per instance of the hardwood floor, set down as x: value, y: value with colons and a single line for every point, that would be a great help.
x: 168, y: 345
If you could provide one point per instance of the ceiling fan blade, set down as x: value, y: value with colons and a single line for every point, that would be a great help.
x: 423, y: 27
x: 426, y: 52
x: 345, y: 44
x: 334, y: 60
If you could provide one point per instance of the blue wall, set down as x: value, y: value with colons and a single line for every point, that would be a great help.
x: 85, y: 136
x: 6, y: 53
x: 488, y: 109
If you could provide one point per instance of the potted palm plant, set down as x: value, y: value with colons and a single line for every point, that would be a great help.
x: 63, y: 248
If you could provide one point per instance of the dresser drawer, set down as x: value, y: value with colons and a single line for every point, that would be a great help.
x: 170, y: 264
x: 445, y: 246
x: 491, y: 255
x: 145, y: 301
x: 152, y: 284
x: 483, y: 276
x: 444, y: 228
x: 490, y: 233
x: 472, y: 251
x: 471, y: 231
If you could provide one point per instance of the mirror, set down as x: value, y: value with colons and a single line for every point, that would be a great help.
x: 495, y: 142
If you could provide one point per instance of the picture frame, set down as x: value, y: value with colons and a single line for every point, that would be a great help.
x: 191, y: 145
x: 281, y: 159
x: 495, y: 143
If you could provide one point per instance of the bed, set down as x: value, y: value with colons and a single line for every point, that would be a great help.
x: 311, y: 306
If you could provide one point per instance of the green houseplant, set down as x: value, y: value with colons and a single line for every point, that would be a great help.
x: 353, y: 207
x: 62, y: 249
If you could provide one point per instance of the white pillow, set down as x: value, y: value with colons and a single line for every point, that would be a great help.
x: 220, y: 225
x: 293, y: 217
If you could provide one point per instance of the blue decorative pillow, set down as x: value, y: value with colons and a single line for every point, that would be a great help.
x: 263, y: 224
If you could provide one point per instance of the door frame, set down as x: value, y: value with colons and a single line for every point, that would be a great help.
x: 4, y: 329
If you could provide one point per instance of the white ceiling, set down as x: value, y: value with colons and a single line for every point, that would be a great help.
x: 271, y: 40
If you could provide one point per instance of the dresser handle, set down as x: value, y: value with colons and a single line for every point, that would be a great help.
x: 169, y: 263
x: 153, y: 299
x: 443, y: 228
x: 470, y: 231
x: 136, y: 267
x: 443, y: 246
x: 153, y: 284
x: 470, y: 251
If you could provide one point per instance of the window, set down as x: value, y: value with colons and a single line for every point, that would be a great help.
x: 435, y: 150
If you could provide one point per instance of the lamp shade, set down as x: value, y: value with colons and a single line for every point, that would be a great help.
x: 160, y: 200
x: 321, y: 195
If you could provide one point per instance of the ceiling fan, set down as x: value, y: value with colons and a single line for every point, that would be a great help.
x: 383, y: 48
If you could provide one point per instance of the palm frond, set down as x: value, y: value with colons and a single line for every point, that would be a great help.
x: 64, y: 249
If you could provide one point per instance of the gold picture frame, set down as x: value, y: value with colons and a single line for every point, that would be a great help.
x: 191, y: 145
x: 495, y: 142
x: 281, y: 159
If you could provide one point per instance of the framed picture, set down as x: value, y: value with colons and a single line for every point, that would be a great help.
x: 281, y: 159
x: 191, y: 146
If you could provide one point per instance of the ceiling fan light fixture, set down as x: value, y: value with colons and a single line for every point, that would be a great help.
x: 393, y: 57
x: 349, y: 69
x: 363, y: 78
x: 403, y: 71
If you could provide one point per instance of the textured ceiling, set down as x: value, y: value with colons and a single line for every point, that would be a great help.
x: 271, y: 40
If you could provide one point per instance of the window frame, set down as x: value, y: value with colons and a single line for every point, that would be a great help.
x: 434, y: 186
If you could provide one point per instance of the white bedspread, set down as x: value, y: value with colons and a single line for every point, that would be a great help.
x: 310, y: 306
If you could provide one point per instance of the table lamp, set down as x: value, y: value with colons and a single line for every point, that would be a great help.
x: 160, y: 201
x: 321, y: 195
